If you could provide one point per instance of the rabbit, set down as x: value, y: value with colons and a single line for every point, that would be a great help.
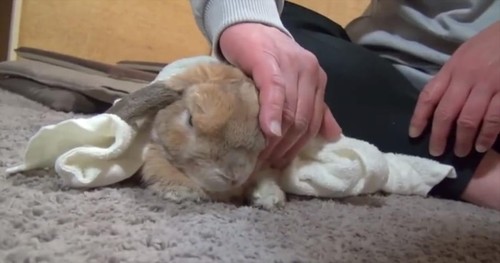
x: 205, y: 145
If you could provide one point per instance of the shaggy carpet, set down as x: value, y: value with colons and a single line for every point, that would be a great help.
x: 41, y: 222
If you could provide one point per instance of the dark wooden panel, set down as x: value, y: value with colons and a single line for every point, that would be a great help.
x: 5, y: 15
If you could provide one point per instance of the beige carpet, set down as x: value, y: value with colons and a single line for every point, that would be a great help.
x: 39, y: 222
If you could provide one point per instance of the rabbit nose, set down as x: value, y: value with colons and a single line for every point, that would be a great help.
x: 228, y: 178
x: 231, y: 180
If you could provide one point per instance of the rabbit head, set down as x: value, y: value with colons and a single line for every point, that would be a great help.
x: 212, y: 133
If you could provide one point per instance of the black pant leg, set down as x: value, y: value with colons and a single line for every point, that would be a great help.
x: 370, y: 99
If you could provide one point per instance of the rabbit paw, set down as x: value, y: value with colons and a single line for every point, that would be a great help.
x: 268, y: 195
x: 178, y: 194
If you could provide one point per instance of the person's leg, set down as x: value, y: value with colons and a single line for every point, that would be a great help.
x: 484, y: 187
x: 372, y: 101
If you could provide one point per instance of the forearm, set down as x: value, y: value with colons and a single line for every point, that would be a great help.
x: 213, y: 16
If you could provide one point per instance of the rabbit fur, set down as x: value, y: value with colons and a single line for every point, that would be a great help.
x: 205, y: 145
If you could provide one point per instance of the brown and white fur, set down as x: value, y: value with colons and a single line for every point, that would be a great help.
x: 204, y: 146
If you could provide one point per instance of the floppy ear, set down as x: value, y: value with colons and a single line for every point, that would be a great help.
x: 145, y: 101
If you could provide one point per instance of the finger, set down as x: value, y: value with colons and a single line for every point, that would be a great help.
x: 313, y: 129
x: 270, y: 150
x: 470, y: 119
x: 288, y: 110
x: 427, y: 101
x: 330, y: 129
x: 491, y: 126
x: 271, y: 84
x: 287, y: 121
x: 271, y: 145
x: 292, y: 77
x: 307, y: 88
x: 446, y: 113
x: 316, y: 123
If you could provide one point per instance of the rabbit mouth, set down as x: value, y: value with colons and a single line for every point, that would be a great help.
x: 229, y: 180
x: 216, y: 180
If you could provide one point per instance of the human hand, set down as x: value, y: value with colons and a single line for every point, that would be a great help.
x: 291, y: 88
x: 465, y: 91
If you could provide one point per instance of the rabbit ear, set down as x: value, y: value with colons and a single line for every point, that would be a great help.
x: 145, y: 101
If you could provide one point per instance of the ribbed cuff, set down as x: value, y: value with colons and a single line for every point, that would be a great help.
x: 220, y: 14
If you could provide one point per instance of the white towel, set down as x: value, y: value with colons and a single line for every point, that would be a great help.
x: 350, y: 167
x: 87, y: 152
x: 102, y: 150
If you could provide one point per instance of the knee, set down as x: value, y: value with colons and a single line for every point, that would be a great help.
x: 296, y: 17
x: 484, y: 187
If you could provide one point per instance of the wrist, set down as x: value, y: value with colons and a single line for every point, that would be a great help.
x: 234, y: 39
x: 250, y: 30
x: 222, y: 14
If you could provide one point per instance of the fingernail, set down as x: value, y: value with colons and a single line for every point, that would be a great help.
x: 481, y: 148
x: 460, y: 153
x: 434, y: 152
x: 276, y: 128
x: 413, y: 132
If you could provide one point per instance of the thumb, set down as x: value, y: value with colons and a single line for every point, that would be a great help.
x: 271, y: 84
x: 330, y: 130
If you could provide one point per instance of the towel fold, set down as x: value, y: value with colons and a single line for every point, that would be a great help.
x: 147, y: 66
x: 87, y: 152
x: 58, y: 99
x: 68, y: 83
x: 85, y: 65
x: 98, y: 87
x: 350, y: 167
x: 106, y: 149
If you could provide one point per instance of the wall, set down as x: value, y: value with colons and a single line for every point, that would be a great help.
x: 152, y: 30
x: 111, y: 30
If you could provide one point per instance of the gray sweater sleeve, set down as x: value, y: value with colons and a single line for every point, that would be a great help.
x: 213, y: 16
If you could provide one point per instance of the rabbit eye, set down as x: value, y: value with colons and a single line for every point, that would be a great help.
x: 190, y: 120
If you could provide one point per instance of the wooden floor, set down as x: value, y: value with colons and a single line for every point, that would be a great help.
x: 152, y: 30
